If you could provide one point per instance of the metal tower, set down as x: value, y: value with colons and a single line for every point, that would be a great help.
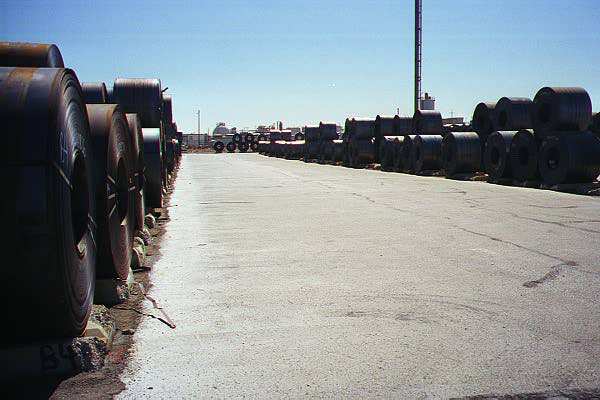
x: 418, y: 45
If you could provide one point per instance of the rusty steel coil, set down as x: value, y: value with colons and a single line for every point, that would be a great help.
x: 513, y: 114
x: 571, y: 158
x: 48, y: 207
x: 524, y: 156
x: 94, y: 93
x: 461, y: 153
x: 328, y: 131
x: 249, y: 137
x: 426, y: 153
x: 405, y: 151
x: 218, y: 146
x: 243, y: 147
x: 142, y: 97
x: 387, y: 152
x: 137, y: 155
x: 34, y: 55
x: 299, y: 136
x: 496, y: 157
x: 113, y: 177
x: 561, y: 109
x: 231, y: 147
x: 153, y: 168
x: 427, y: 122
x: 363, y: 152
x: 483, y: 119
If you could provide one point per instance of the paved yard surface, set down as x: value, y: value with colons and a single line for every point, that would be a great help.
x: 288, y: 279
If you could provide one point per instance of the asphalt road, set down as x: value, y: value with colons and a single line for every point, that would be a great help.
x: 288, y: 279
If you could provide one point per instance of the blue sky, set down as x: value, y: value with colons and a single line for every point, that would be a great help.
x: 259, y: 61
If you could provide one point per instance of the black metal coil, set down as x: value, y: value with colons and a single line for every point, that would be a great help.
x: 328, y: 131
x: 483, y: 119
x: 153, y: 160
x: 405, y: 151
x: 427, y: 122
x: 496, y: 157
x: 113, y: 178
x: 231, y: 147
x: 218, y: 146
x: 237, y: 138
x: 34, y: 55
x: 295, y: 149
x: 249, y: 137
x: 254, y: 146
x: 243, y: 147
x: 137, y: 156
x: 524, y: 156
x: 170, y: 154
x: 405, y: 126
x: 311, y: 150
x: 167, y: 108
x: 311, y: 133
x: 110, y: 97
x: 426, y: 153
x: 299, y: 136
x: 513, y: 113
x: 363, y: 128
x: 398, y: 143
x: 142, y: 97
x: 595, y: 125
x: 325, y: 150
x: 386, y: 126
x: 47, y: 205
x: 363, y: 152
x: 262, y: 138
x: 387, y: 152
x: 572, y: 158
x: 461, y: 153
x: 561, y: 109
x: 263, y: 146
x: 94, y: 93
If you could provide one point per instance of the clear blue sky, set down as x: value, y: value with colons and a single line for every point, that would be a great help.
x: 259, y: 61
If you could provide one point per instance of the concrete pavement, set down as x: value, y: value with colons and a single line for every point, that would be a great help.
x: 288, y: 279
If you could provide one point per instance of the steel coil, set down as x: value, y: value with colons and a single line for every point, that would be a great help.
x: 595, y: 125
x: 218, y: 146
x: 142, y: 97
x: 483, y: 119
x: 572, y: 158
x: 386, y: 126
x: 262, y: 137
x: 338, y: 150
x: 231, y: 146
x: 254, y: 146
x: 249, y: 137
x: 94, y: 93
x: 110, y: 97
x: 405, y: 126
x: 398, y: 143
x: 167, y: 109
x: 237, y: 138
x: 263, y: 146
x: 328, y: 131
x: 48, y: 229
x: 387, y: 152
x: 137, y: 155
x: 299, y: 136
x: 524, y: 156
x: 363, y: 152
x: 14, y: 54
x: 311, y: 150
x: 461, y: 153
x: 427, y: 122
x: 426, y: 153
x: 363, y: 128
x: 153, y: 168
x: 170, y: 154
x: 295, y: 149
x: 513, y: 113
x: 243, y: 147
x: 113, y: 177
x: 496, y: 157
x: 405, y: 152
x: 561, y: 109
x: 311, y: 133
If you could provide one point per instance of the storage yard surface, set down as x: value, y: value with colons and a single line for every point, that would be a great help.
x: 297, y: 279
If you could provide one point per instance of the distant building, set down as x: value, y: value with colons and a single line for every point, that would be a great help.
x: 196, y: 140
x: 427, y: 102
x: 453, y: 121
